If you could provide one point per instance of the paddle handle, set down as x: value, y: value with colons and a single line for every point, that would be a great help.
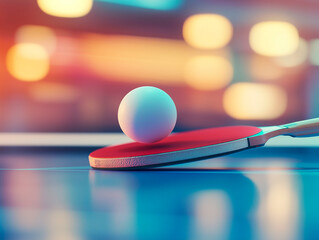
x: 305, y: 128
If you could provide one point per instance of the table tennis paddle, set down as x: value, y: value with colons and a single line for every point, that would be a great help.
x: 195, y: 145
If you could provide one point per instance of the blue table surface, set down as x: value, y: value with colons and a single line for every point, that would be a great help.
x: 262, y: 193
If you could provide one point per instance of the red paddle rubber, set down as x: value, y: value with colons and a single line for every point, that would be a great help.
x: 173, y: 143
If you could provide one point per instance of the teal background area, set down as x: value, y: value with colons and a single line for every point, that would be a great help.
x: 51, y: 192
x: 149, y: 4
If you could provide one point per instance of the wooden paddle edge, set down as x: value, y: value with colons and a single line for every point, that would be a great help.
x: 164, y: 159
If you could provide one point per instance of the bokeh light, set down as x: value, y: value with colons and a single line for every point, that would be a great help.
x: 281, y: 205
x: 274, y: 38
x: 208, y: 72
x: 192, y: 50
x: 145, y: 60
x: 53, y: 92
x: 296, y: 58
x: 279, y: 200
x: 28, y: 62
x: 314, y: 52
x: 253, y: 101
x: 66, y: 8
x: 41, y: 35
x: 207, y: 31
x: 264, y: 68
x: 212, y: 214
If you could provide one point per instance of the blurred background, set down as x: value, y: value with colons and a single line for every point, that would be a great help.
x: 65, y: 65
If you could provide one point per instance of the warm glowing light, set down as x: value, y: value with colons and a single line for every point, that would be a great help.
x: 207, y: 31
x: 66, y: 8
x: 314, y: 52
x: 279, y: 201
x: 208, y: 72
x: 264, y: 68
x: 53, y: 92
x: 282, y: 205
x: 254, y: 101
x: 65, y: 55
x: 296, y: 58
x: 145, y: 60
x: 62, y: 224
x: 274, y: 38
x: 138, y: 59
x: 212, y: 214
x: 41, y: 35
x: 28, y: 62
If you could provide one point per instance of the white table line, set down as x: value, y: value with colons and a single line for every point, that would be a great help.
x: 105, y: 139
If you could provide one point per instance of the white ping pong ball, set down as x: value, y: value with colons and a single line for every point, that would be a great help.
x: 147, y: 114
